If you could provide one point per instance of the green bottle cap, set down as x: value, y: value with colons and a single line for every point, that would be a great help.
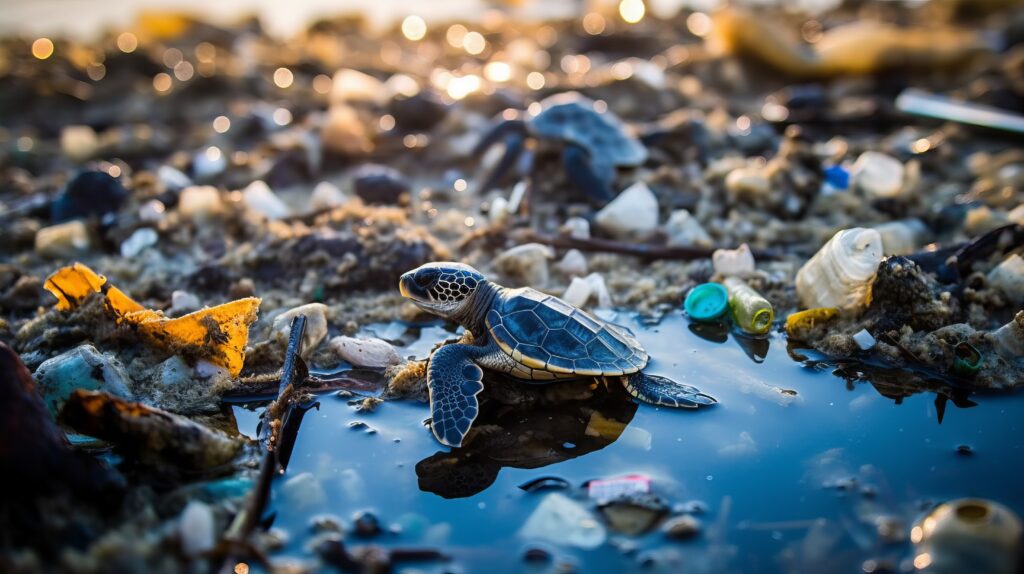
x: 706, y: 302
x: 967, y: 359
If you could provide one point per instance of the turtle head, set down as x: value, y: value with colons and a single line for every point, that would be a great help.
x: 441, y: 288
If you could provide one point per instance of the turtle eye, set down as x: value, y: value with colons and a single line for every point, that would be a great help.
x: 425, y: 278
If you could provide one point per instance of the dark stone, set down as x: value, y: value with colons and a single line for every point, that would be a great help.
x: 90, y: 193
x: 380, y: 184
x: 366, y: 524
x: 420, y: 112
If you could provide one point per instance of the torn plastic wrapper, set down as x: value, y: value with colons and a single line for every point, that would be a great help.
x: 218, y: 334
x: 613, y: 488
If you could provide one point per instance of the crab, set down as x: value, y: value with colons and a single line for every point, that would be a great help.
x: 592, y: 144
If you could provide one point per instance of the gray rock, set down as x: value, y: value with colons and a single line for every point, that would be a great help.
x: 80, y: 368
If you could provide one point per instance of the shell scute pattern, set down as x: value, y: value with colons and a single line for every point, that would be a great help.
x: 544, y: 332
x: 572, y: 118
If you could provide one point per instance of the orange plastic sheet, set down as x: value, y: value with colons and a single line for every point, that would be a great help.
x: 218, y: 334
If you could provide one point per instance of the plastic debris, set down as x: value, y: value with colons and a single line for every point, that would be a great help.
x: 878, y: 175
x: 921, y: 103
x: 751, y: 312
x: 218, y: 334
x: 684, y: 230
x: 573, y: 264
x: 260, y: 198
x: 840, y: 273
x: 80, y: 368
x: 968, y: 535
x: 706, y: 302
x: 152, y: 436
x: 799, y: 324
x: 139, y: 241
x: 526, y: 265
x: 967, y: 359
x: 837, y: 177
x: 583, y: 290
x: 631, y: 215
x: 609, y: 489
x: 738, y: 262
x: 864, y: 340
x: 560, y: 520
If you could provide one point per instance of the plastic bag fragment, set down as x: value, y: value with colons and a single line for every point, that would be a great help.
x: 218, y: 334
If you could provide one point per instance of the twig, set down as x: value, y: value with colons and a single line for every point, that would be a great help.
x: 644, y: 250
x: 277, y: 416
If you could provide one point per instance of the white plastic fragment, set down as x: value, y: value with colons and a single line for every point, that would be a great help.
x: 79, y: 142
x: 878, y: 175
x: 196, y: 529
x: 138, y: 241
x: 62, y: 239
x: 576, y: 227
x: 573, y: 264
x: 371, y: 352
x: 631, y: 215
x: 583, y: 290
x: 498, y: 213
x: 260, y: 198
x: 864, y: 340
x: 737, y: 262
x: 526, y: 265
x: 683, y: 230
x: 560, y: 520
x: 326, y: 195
x: 841, y: 272
x: 183, y: 302
x: 902, y: 237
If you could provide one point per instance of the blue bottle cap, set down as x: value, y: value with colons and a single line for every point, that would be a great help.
x: 837, y: 177
x: 706, y: 302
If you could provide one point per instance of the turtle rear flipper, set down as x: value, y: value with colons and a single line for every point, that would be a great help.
x: 664, y: 391
x: 454, y: 381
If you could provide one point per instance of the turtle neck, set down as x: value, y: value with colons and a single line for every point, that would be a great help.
x: 473, y: 314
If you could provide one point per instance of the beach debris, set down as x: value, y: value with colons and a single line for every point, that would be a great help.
x: 379, y: 184
x: 344, y: 133
x: 196, y: 529
x: 217, y: 334
x: 683, y: 229
x: 88, y: 194
x: 918, y: 102
x: 737, y: 262
x: 633, y: 215
x: 878, y: 175
x: 633, y: 514
x: 63, y: 239
x: 683, y: 527
x: 902, y: 237
x: 258, y: 197
x: 967, y: 359
x: 801, y: 324
x: 605, y: 490
x: 79, y: 142
x: 1008, y: 278
x: 864, y: 340
x: 560, y: 520
x: 751, y: 312
x: 326, y: 195
x: 706, y: 302
x: 841, y: 272
x: 316, y: 326
x: 35, y: 455
x: 525, y: 264
x: 369, y: 352
x: 573, y: 263
x: 208, y: 163
x: 80, y: 368
x: 576, y: 228
x: 582, y: 290
x: 199, y: 202
x: 147, y: 434
x: 140, y: 240
x: 968, y: 535
x: 1009, y: 339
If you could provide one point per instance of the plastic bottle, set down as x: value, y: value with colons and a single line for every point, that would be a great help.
x: 752, y: 312
x: 841, y: 272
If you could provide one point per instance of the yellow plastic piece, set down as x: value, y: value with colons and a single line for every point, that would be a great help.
x: 218, y: 334
x: 801, y: 322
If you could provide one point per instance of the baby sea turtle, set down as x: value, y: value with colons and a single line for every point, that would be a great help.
x: 592, y: 144
x: 532, y: 336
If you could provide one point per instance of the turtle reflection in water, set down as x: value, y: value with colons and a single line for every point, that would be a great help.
x: 528, y: 434
x: 534, y: 337
x: 591, y: 143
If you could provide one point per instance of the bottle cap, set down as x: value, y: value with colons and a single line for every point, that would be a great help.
x: 706, y: 302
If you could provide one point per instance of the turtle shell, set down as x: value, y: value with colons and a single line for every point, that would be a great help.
x: 571, y: 117
x: 548, y: 334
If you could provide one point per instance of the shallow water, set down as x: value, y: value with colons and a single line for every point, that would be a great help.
x: 795, y: 466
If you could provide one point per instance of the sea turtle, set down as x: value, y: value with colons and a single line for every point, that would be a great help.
x: 532, y: 336
x: 592, y: 144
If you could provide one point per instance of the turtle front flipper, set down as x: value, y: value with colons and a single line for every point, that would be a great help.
x: 592, y: 178
x: 663, y: 391
x: 454, y: 380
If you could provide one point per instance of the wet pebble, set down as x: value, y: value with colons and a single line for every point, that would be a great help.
x: 537, y: 555
x: 199, y: 202
x: 583, y: 290
x: 326, y: 195
x: 90, y: 193
x: 360, y: 425
x: 316, y: 325
x: 573, y: 264
x: 208, y: 163
x: 139, y: 241
x: 878, y: 175
x: 172, y: 179
x: 747, y: 182
x: 633, y: 515
x: 419, y: 112
x: 258, y: 197
x: 325, y: 523
x: 79, y: 142
x: 964, y: 450
x: 366, y: 524
x: 632, y: 215
x: 80, y: 368
x: 696, y: 507
x: 380, y: 184
x: 62, y: 240
x: 183, y: 302
x: 681, y: 527
x: 683, y: 230
x: 576, y: 227
x: 371, y: 352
